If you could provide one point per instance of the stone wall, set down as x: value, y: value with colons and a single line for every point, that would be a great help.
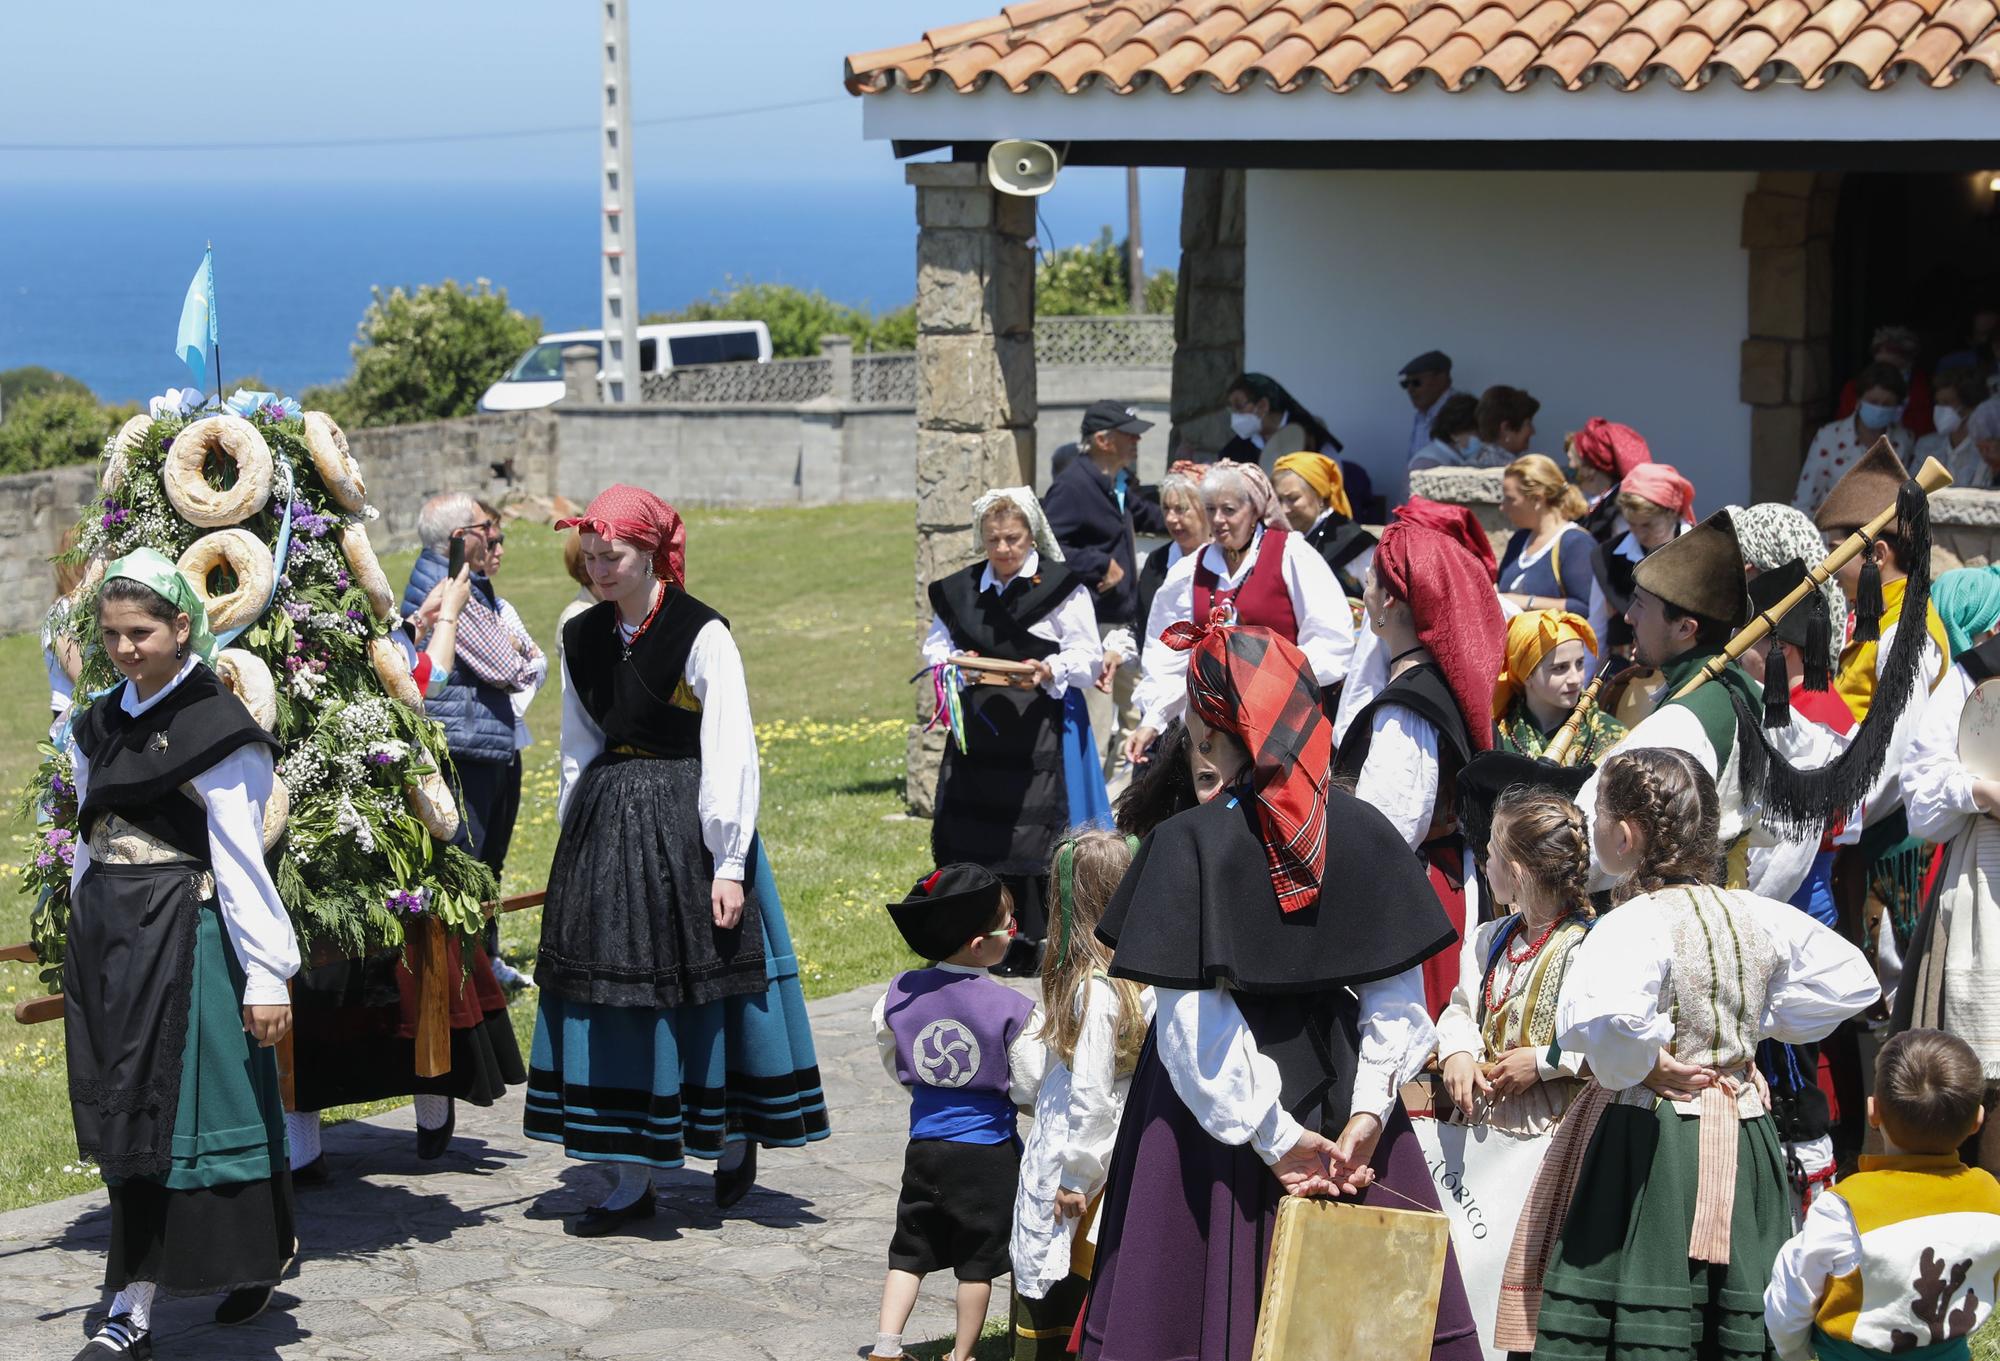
x: 1208, y: 308
x: 1788, y: 225
x: 36, y: 509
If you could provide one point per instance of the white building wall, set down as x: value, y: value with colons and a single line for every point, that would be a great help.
x: 1615, y: 295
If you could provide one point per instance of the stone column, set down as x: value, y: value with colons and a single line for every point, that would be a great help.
x: 1208, y: 310
x: 579, y: 370
x: 838, y: 352
x: 975, y: 382
x: 1788, y: 230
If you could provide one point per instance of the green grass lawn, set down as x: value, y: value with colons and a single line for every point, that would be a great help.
x: 819, y: 601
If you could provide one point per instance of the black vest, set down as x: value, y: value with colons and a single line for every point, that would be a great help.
x: 1982, y: 663
x: 1615, y: 577
x: 633, y: 701
x: 996, y: 623
x: 1340, y: 541
x: 138, y: 765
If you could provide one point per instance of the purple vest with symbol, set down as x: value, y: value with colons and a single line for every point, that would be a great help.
x: 953, y: 1031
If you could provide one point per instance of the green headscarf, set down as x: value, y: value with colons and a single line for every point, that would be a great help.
x: 149, y: 567
x: 1968, y: 601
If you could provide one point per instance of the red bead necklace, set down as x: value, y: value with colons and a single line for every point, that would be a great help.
x: 644, y: 624
x: 1514, y: 977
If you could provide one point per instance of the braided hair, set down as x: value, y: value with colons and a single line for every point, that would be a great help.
x: 1543, y: 833
x: 1672, y: 801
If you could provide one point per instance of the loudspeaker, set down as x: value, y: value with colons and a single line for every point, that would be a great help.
x: 1022, y: 167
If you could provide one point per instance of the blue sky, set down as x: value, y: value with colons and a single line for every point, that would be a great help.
x: 363, y: 68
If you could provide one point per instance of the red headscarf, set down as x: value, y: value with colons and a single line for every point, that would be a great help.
x: 1254, y: 685
x: 1662, y: 484
x: 631, y: 515
x: 1455, y: 522
x: 1611, y: 448
x: 1458, y: 616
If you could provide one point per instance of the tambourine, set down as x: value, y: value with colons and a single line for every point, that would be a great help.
x: 1979, y: 732
x: 994, y: 671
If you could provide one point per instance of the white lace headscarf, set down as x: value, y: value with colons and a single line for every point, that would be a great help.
x: 1771, y: 534
x: 1023, y: 500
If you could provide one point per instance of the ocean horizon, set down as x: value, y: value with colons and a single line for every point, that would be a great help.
x: 92, y: 276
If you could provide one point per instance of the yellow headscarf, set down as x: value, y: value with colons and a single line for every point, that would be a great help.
x: 1320, y: 473
x: 1531, y: 636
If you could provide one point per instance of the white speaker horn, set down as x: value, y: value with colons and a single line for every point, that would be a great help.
x: 1022, y: 167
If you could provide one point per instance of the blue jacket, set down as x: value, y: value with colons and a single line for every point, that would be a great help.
x: 478, y: 719
x: 1082, y: 506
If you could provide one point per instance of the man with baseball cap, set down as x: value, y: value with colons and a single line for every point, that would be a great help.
x: 1426, y: 381
x: 1095, y: 508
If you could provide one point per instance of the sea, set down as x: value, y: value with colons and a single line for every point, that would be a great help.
x: 92, y: 275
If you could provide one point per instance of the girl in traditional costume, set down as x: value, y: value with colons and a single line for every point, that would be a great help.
x: 1551, y: 655
x: 1681, y: 1203
x: 1654, y: 505
x: 1509, y: 1083
x: 1257, y: 572
x: 1093, y: 1026
x: 1287, y: 1019
x: 671, y: 1020
x: 174, y: 973
x: 1025, y: 767
x: 1433, y: 611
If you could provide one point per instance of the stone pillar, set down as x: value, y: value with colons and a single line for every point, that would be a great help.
x: 1786, y: 360
x: 838, y: 352
x: 975, y: 382
x: 579, y: 371
x: 1208, y: 310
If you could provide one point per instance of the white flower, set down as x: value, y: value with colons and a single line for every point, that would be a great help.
x: 174, y: 402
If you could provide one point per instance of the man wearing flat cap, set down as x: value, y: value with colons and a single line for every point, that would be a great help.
x: 1426, y: 381
x: 1095, y: 508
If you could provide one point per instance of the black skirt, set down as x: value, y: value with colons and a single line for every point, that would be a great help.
x: 1003, y: 803
x: 628, y: 922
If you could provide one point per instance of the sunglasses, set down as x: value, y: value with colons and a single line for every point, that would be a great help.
x: 1409, y: 384
x: 495, y: 540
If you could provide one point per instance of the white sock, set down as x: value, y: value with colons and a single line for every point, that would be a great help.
x: 433, y: 1111
x: 135, y: 1299
x: 634, y: 1180
x: 733, y: 1154
x: 302, y: 1133
x: 888, y: 1344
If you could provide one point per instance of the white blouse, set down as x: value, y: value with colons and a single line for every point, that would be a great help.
x: 233, y: 792
x: 1836, y: 448
x: 1071, y: 626
x: 1325, y: 621
x: 1961, y: 460
x: 1936, y: 786
x: 730, y: 781
x: 1610, y: 1012
x: 1885, y: 796
x: 1459, y: 1032
x: 1400, y: 777
x: 1234, y: 1091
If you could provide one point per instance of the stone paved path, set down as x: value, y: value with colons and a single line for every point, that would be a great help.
x: 467, y: 1257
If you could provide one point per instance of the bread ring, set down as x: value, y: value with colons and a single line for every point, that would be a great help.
x: 124, y: 442
x: 277, y: 812
x: 334, y: 464
x: 244, y: 675
x: 245, y: 555
x: 236, y: 440
x: 366, y: 571
x: 92, y: 578
x: 431, y: 800
x: 392, y: 668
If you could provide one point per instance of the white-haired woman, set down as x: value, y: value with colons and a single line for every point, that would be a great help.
x: 1028, y: 766
x: 1257, y: 570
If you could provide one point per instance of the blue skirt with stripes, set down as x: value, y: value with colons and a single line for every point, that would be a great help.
x: 644, y: 1085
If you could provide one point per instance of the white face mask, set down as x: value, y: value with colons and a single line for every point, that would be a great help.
x: 1945, y: 418
x: 1246, y: 424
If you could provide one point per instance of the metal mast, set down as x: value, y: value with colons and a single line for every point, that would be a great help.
x: 622, y: 379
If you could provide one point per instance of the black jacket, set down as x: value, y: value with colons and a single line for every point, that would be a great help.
x: 1083, y: 513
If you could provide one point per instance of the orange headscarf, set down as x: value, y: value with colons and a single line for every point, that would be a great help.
x: 1320, y: 473
x: 1531, y: 636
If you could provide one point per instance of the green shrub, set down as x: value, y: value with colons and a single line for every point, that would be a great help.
x: 31, y: 380
x: 797, y: 318
x: 52, y: 428
x: 1092, y: 280
x: 428, y: 355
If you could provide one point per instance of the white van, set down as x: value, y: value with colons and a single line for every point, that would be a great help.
x: 536, y: 380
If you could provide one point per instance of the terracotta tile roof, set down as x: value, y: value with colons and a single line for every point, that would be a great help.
x: 1343, y: 45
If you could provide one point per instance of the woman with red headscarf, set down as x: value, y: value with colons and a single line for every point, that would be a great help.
x: 1432, y: 608
x: 671, y: 1019
x: 1655, y: 504
x: 1288, y: 1018
x: 1602, y: 455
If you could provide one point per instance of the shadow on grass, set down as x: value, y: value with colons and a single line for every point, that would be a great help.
x: 883, y: 785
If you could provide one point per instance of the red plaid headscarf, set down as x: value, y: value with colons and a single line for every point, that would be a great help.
x: 633, y: 515
x: 1458, y: 616
x: 1455, y: 522
x: 1613, y: 449
x: 1257, y: 687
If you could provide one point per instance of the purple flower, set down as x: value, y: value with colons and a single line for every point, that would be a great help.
x: 58, y: 785
x: 166, y: 443
x: 297, y: 611
x: 44, y: 860
x: 354, y: 614
x: 408, y: 902
x: 381, y: 758
x: 340, y: 579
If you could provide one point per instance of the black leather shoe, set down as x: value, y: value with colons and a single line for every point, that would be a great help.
x: 732, y: 1186
x: 598, y: 1221
x: 314, y: 1173
x: 240, y: 1306
x: 431, y: 1143
x: 138, y: 1343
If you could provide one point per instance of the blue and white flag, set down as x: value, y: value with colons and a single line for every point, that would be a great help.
x: 198, y: 335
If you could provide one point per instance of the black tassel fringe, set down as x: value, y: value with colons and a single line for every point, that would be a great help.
x: 1868, y: 599
x: 1818, y: 651
x: 1777, y: 687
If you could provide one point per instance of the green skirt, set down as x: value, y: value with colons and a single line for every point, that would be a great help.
x: 1622, y: 1285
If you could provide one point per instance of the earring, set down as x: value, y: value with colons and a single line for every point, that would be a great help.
x: 180, y: 650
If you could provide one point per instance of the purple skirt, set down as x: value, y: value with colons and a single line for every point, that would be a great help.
x: 1199, y: 1216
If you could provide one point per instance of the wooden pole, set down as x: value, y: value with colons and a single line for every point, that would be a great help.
x: 288, y: 1087
x: 1932, y: 477
x: 1558, y: 750
x: 424, y: 953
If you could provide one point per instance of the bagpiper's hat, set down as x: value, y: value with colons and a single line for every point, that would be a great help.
x: 1700, y: 573
x: 947, y: 908
x: 1868, y: 489
x: 1768, y: 588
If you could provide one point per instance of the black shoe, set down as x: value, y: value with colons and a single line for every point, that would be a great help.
x: 240, y: 1306
x: 118, y: 1340
x: 734, y: 1184
x: 431, y: 1143
x: 1022, y: 960
x: 598, y: 1221
x: 314, y: 1173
